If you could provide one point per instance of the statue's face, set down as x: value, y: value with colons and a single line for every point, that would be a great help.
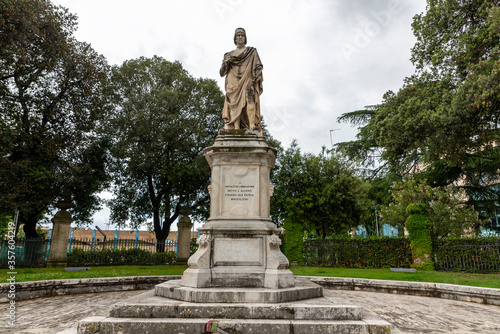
x: 240, y: 38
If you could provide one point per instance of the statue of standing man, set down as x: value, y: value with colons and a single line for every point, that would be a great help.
x: 243, y: 71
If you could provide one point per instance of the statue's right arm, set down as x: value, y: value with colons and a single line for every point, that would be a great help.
x: 223, y: 69
x: 225, y: 64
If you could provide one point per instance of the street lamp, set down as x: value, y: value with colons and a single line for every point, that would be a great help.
x: 331, y: 139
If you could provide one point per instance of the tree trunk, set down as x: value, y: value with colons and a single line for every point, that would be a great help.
x: 29, y: 219
x: 161, y: 233
x: 160, y: 245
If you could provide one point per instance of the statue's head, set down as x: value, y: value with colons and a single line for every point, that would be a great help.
x: 240, y: 31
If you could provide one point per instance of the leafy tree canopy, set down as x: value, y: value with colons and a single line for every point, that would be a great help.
x: 159, y: 119
x: 445, y: 120
x: 444, y: 206
x: 49, y: 95
x: 321, y: 191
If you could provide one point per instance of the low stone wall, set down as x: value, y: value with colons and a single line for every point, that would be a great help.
x: 63, y: 287
x: 49, y: 288
x: 437, y: 290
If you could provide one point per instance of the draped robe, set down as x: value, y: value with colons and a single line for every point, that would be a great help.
x: 243, y: 88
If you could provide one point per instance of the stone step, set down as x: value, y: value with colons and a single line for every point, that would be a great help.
x: 293, y: 311
x: 102, y: 325
x: 302, y: 290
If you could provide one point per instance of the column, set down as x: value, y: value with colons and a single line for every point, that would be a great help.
x: 60, y: 234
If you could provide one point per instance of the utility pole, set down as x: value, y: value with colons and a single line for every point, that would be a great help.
x: 331, y: 137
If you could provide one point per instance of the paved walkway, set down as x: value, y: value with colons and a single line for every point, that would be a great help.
x: 409, y: 314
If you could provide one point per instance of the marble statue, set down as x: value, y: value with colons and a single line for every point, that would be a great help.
x: 243, y: 70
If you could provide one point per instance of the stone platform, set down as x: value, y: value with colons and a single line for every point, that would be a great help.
x: 147, y: 313
x: 174, y: 290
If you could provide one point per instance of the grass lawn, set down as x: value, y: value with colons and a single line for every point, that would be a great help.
x: 37, y: 274
x: 481, y: 280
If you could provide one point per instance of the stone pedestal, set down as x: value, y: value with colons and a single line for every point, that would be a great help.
x: 184, y: 238
x: 60, y: 235
x: 239, y: 245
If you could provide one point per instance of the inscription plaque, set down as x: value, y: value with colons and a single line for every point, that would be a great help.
x: 225, y: 250
x: 240, y: 191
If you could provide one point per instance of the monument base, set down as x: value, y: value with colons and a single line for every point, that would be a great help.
x: 147, y: 313
x: 173, y: 290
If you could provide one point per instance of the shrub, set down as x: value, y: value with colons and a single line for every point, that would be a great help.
x: 419, y: 228
x: 109, y: 257
x: 347, y: 252
x: 293, y: 237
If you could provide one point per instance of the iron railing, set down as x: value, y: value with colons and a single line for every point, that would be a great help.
x: 471, y: 257
x: 374, y: 252
x: 149, y: 245
x: 35, y: 252
x: 27, y: 252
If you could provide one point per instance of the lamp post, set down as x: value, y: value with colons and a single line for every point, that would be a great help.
x: 331, y: 138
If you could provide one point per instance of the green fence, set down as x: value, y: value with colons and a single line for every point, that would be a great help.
x: 371, y: 252
x: 26, y: 252
x: 479, y: 255
x: 462, y: 254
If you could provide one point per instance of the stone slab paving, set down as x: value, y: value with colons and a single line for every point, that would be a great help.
x: 59, y: 314
x: 415, y: 314
x: 409, y: 314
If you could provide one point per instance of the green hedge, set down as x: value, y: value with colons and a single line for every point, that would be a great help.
x: 118, y: 257
x: 346, y: 252
x: 293, y: 240
x: 468, y: 254
x: 419, y: 232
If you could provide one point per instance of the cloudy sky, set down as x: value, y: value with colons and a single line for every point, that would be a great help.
x: 321, y: 58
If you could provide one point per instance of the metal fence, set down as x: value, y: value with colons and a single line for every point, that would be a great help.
x: 35, y: 252
x: 373, y: 252
x: 469, y: 257
x: 27, y: 252
x: 149, y: 245
x: 473, y: 255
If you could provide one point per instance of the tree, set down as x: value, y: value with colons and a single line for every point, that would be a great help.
x: 4, y: 225
x: 445, y: 208
x: 444, y: 123
x: 159, y: 121
x: 321, y: 192
x: 49, y: 96
x: 364, y: 150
